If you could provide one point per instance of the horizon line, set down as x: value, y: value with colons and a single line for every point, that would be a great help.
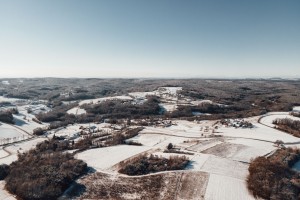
x: 149, y: 78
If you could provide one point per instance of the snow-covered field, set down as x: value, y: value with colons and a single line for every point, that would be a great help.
x: 149, y: 139
x: 197, y: 161
x: 27, y: 124
x: 296, y: 109
x: 142, y: 95
x: 168, y: 107
x: 226, y: 188
x: 259, y: 132
x: 226, y: 167
x: 7, y: 131
x: 25, y: 146
x: 3, y: 153
x: 16, y: 148
x: 174, y: 131
x: 5, y: 195
x: 6, y: 99
x: 156, y: 140
x: 181, y: 129
x: 24, y: 120
x: 76, y: 111
x: 203, y: 145
x: 251, y: 149
x: 266, y: 146
x: 94, y: 101
x: 5, y: 82
x: 104, y: 158
x: 198, y: 102
x: 226, y: 177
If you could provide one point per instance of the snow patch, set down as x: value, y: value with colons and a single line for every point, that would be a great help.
x: 76, y: 111
x: 296, y: 109
x: 5, y: 83
x: 104, y: 158
x: 99, y: 100
x: 7, y: 131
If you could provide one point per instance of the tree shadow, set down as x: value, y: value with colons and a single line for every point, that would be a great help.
x: 19, y: 122
x: 190, y: 165
x: 76, y: 189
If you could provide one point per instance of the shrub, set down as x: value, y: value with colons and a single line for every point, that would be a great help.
x: 134, y: 143
x: 38, y: 131
x: 177, y: 151
x: 170, y: 146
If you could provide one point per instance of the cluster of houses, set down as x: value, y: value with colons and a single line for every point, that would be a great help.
x: 237, y: 123
x: 82, y: 132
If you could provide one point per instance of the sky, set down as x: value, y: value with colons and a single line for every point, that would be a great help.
x: 150, y: 38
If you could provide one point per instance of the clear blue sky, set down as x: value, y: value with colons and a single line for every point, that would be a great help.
x: 153, y: 38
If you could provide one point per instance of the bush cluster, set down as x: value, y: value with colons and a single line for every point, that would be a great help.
x: 37, y: 175
x: 272, y: 178
x: 109, y: 109
x: 120, y: 138
x: 85, y: 143
x: 55, y: 144
x: 7, y: 117
x: 288, y: 125
x: 187, y: 111
x: 38, y: 131
x: 120, y: 109
x: 150, y: 164
x: 295, y: 114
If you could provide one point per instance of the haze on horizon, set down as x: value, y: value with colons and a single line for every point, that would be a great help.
x: 158, y: 38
